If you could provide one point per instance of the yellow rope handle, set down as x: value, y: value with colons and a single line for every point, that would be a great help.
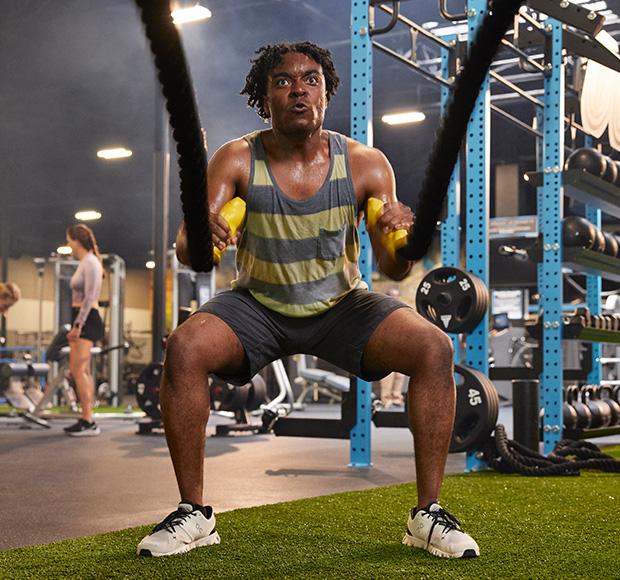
x: 392, y: 240
x: 234, y: 213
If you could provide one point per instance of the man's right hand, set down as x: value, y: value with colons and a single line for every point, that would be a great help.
x: 220, y: 231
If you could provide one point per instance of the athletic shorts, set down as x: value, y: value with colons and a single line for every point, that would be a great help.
x: 338, y: 336
x: 93, y: 326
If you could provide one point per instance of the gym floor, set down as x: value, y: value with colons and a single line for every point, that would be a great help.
x: 54, y: 487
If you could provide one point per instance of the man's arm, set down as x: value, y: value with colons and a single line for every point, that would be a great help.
x: 373, y: 176
x: 227, y: 175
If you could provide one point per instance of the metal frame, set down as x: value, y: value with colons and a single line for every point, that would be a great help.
x: 361, y: 130
x: 477, y: 179
x: 550, y: 212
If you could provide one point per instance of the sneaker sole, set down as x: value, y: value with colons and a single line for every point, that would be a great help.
x: 210, y: 540
x: 89, y: 433
x: 416, y: 543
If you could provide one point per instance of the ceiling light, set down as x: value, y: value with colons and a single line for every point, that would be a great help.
x: 430, y: 25
x: 190, y: 14
x: 402, y: 118
x: 116, y: 153
x: 87, y: 215
x: 150, y: 265
x: 63, y: 250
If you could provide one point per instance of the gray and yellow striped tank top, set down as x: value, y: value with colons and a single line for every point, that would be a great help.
x: 299, y: 257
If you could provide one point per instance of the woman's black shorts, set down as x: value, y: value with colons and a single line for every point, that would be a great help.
x: 93, y: 329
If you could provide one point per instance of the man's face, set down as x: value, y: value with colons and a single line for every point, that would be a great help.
x: 296, y: 97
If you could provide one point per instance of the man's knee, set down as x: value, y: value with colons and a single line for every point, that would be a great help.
x: 438, y: 353
x: 182, y: 351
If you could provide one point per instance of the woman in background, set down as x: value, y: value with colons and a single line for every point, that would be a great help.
x: 9, y: 295
x: 87, y: 327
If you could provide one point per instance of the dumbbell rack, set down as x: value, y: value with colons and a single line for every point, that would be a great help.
x: 599, y: 196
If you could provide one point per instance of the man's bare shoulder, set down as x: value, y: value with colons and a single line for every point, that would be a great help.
x: 365, y: 157
x: 236, y: 150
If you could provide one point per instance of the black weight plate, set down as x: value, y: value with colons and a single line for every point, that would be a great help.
x: 258, y: 393
x: 477, y: 408
x: 235, y: 398
x: 453, y: 300
x: 147, y: 390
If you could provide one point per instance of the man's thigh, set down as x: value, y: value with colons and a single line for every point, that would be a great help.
x: 403, y: 342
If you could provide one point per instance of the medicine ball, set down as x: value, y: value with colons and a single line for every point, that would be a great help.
x: 611, y: 170
x: 599, y: 241
x: 578, y: 232
x: 611, y: 244
x: 587, y: 159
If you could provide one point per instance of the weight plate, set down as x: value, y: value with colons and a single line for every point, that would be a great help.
x: 477, y: 408
x: 452, y: 299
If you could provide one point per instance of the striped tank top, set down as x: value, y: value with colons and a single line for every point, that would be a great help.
x: 299, y: 257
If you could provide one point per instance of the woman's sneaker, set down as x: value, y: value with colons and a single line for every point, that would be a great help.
x: 83, y: 428
x: 183, y: 530
x: 437, y: 531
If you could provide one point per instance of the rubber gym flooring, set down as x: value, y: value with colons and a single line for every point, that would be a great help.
x: 53, y: 487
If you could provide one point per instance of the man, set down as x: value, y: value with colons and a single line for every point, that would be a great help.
x: 298, y: 290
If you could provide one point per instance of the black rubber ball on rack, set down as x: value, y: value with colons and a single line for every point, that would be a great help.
x: 611, y: 244
x: 587, y: 159
x: 578, y: 232
x: 599, y: 241
x: 611, y: 170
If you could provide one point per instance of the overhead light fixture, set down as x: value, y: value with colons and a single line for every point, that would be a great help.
x: 405, y: 117
x: 115, y: 153
x: 430, y: 25
x: 190, y: 14
x: 87, y: 215
x: 150, y: 265
x: 63, y: 250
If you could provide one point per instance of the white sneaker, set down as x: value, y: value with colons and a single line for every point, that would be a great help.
x: 181, y: 531
x: 437, y: 531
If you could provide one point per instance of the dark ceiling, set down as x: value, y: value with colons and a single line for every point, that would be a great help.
x: 77, y: 77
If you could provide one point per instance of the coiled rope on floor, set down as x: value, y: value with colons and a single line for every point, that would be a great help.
x: 507, y: 456
x: 174, y: 75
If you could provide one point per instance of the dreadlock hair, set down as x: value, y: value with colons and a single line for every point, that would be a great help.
x: 270, y: 57
x: 83, y: 234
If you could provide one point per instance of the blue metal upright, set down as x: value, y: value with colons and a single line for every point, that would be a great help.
x: 361, y: 130
x: 477, y: 175
x: 451, y: 227
x: 550, y: 213
x: 594, y: 290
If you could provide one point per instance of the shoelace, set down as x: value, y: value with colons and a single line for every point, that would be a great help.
x: 174, y: 519
x: 442, y: 517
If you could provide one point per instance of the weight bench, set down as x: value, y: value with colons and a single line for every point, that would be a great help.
x: 320, y: 382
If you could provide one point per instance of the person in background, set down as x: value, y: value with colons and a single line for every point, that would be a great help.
x: 9, y: 295
x: 87, y: 326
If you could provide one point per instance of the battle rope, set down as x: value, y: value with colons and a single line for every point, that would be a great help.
x: 454, y: 126
x: 511, y: 457
x: 174, y: 76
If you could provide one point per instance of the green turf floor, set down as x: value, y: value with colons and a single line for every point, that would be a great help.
x: 555, y: 527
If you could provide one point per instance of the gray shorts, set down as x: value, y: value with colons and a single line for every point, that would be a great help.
x: 338, y: 336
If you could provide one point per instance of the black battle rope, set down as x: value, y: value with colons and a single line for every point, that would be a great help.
x: 177, y: 88
x: 454, y: 126
x: 512, y: 457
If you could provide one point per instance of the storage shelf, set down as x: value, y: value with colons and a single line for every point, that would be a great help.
x: 590, y: 262
x: 577, y: 332
x: 586, y: 188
